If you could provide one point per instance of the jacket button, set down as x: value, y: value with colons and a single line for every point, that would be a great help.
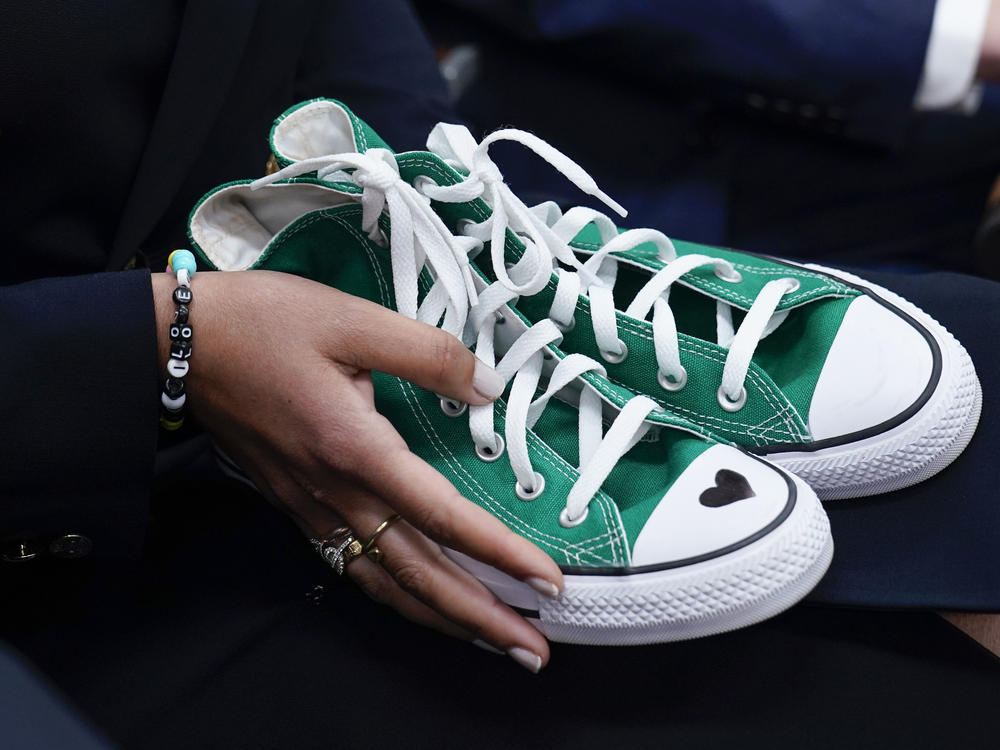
x: 70, y: 546
x: 20, y: 550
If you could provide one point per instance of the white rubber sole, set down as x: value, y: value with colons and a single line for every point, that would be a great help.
x: 741, y: 588
x: 911, y: 451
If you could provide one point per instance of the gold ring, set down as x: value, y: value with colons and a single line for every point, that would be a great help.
x: 370, y: 548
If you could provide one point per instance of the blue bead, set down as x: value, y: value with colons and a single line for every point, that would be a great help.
x: 183, y: 259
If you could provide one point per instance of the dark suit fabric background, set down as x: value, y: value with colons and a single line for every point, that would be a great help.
x: 201, y: 619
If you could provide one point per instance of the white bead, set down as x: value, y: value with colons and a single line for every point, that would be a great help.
x: 173, y: 404
x: 183, y: 277
x: 178, y: 368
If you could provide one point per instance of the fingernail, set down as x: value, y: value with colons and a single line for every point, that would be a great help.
x: 543, y: 587
x: 530, y: 661
x: 486, y: 382
x: 486, y: 646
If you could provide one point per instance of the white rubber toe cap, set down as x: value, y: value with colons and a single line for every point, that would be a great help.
x: 878, y: 366
x: 724, y: 498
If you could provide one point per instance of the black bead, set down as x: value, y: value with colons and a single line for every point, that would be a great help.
x: 181, y: 314
x: 183, y: 295
x: 181, y: 332
x: 180, y: 349
x: 173, y: 387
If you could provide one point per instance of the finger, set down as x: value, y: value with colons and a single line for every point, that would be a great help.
x: 431, y: 503
x: 419, y: 567
x: 376, y: 582
x: 316, y: 521
x: 371, y: 337
x: 423, y: 584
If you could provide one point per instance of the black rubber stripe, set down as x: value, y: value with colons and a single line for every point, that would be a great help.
x: 627, y: 571
x: 533, y: 613
x: 923, y: 398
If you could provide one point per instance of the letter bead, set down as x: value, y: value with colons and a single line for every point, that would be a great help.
x: 181, y: 264
x: 177, y: 368
x: 180, y: 332
x: 180, y: 349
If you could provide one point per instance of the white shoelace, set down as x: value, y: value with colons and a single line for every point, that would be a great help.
x: 421, y: 240
x: 547, y: 232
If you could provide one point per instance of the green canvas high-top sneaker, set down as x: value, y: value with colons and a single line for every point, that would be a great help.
x: 663, y: 532
x: 842, y: 382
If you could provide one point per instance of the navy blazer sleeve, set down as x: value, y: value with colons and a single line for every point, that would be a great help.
x: 79, y: 374
x: 78, y: 408
x: 384, y: 70
x: 857, y: 62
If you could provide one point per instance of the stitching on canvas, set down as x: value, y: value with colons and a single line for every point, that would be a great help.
x: 544, y: 450
x: 774, y: 398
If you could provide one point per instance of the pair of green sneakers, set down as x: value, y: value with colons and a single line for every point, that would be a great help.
x: 672, y: 410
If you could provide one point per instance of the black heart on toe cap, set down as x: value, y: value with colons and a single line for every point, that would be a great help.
x: 730, y: 487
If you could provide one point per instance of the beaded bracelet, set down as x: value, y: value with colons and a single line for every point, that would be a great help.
x: 182, y: 264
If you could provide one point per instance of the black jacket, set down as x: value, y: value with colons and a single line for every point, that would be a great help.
x: 100, y: 171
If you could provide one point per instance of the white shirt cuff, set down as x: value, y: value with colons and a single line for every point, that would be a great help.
x: 948, y: 81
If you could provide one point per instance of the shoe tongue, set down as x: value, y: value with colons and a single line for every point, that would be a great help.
x: 320, y: 127
x: 453, y: 143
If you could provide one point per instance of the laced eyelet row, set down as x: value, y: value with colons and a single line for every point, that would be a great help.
x: 453, y: 408
x: 536, y: 490
x: 616, y: 357
x: 566, y: 327
x: 672, y: 382
x: 731, y: 277
x: 732, y: 405
x: 568, y: 523
x: 491, y: 454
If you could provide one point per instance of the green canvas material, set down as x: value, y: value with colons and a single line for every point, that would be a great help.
x: 785, y: 367
x: 328, y: 246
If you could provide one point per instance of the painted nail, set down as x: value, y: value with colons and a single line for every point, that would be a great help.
x: 543, y: 587
x: 486, y: 646
x: 486, y: 382
x: 530, y: 661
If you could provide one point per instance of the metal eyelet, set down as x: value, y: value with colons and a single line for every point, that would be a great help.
x: 734, y: 277
x: 793, y: 284
x: 567, y: 327
x: 489, y: 454
x: 675, y: 384
x: 453, y: 408
x: 535, y: 491
x: 568, y: 523
x: 616, y: 357
x: 731, y: 406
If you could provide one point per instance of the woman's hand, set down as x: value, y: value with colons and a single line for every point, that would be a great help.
x: 280, y: 375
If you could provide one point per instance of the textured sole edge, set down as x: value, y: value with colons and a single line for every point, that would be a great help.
x: 717, y: 596
x: 925, y: 443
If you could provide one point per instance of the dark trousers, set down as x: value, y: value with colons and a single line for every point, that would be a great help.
x: 233, y: 634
